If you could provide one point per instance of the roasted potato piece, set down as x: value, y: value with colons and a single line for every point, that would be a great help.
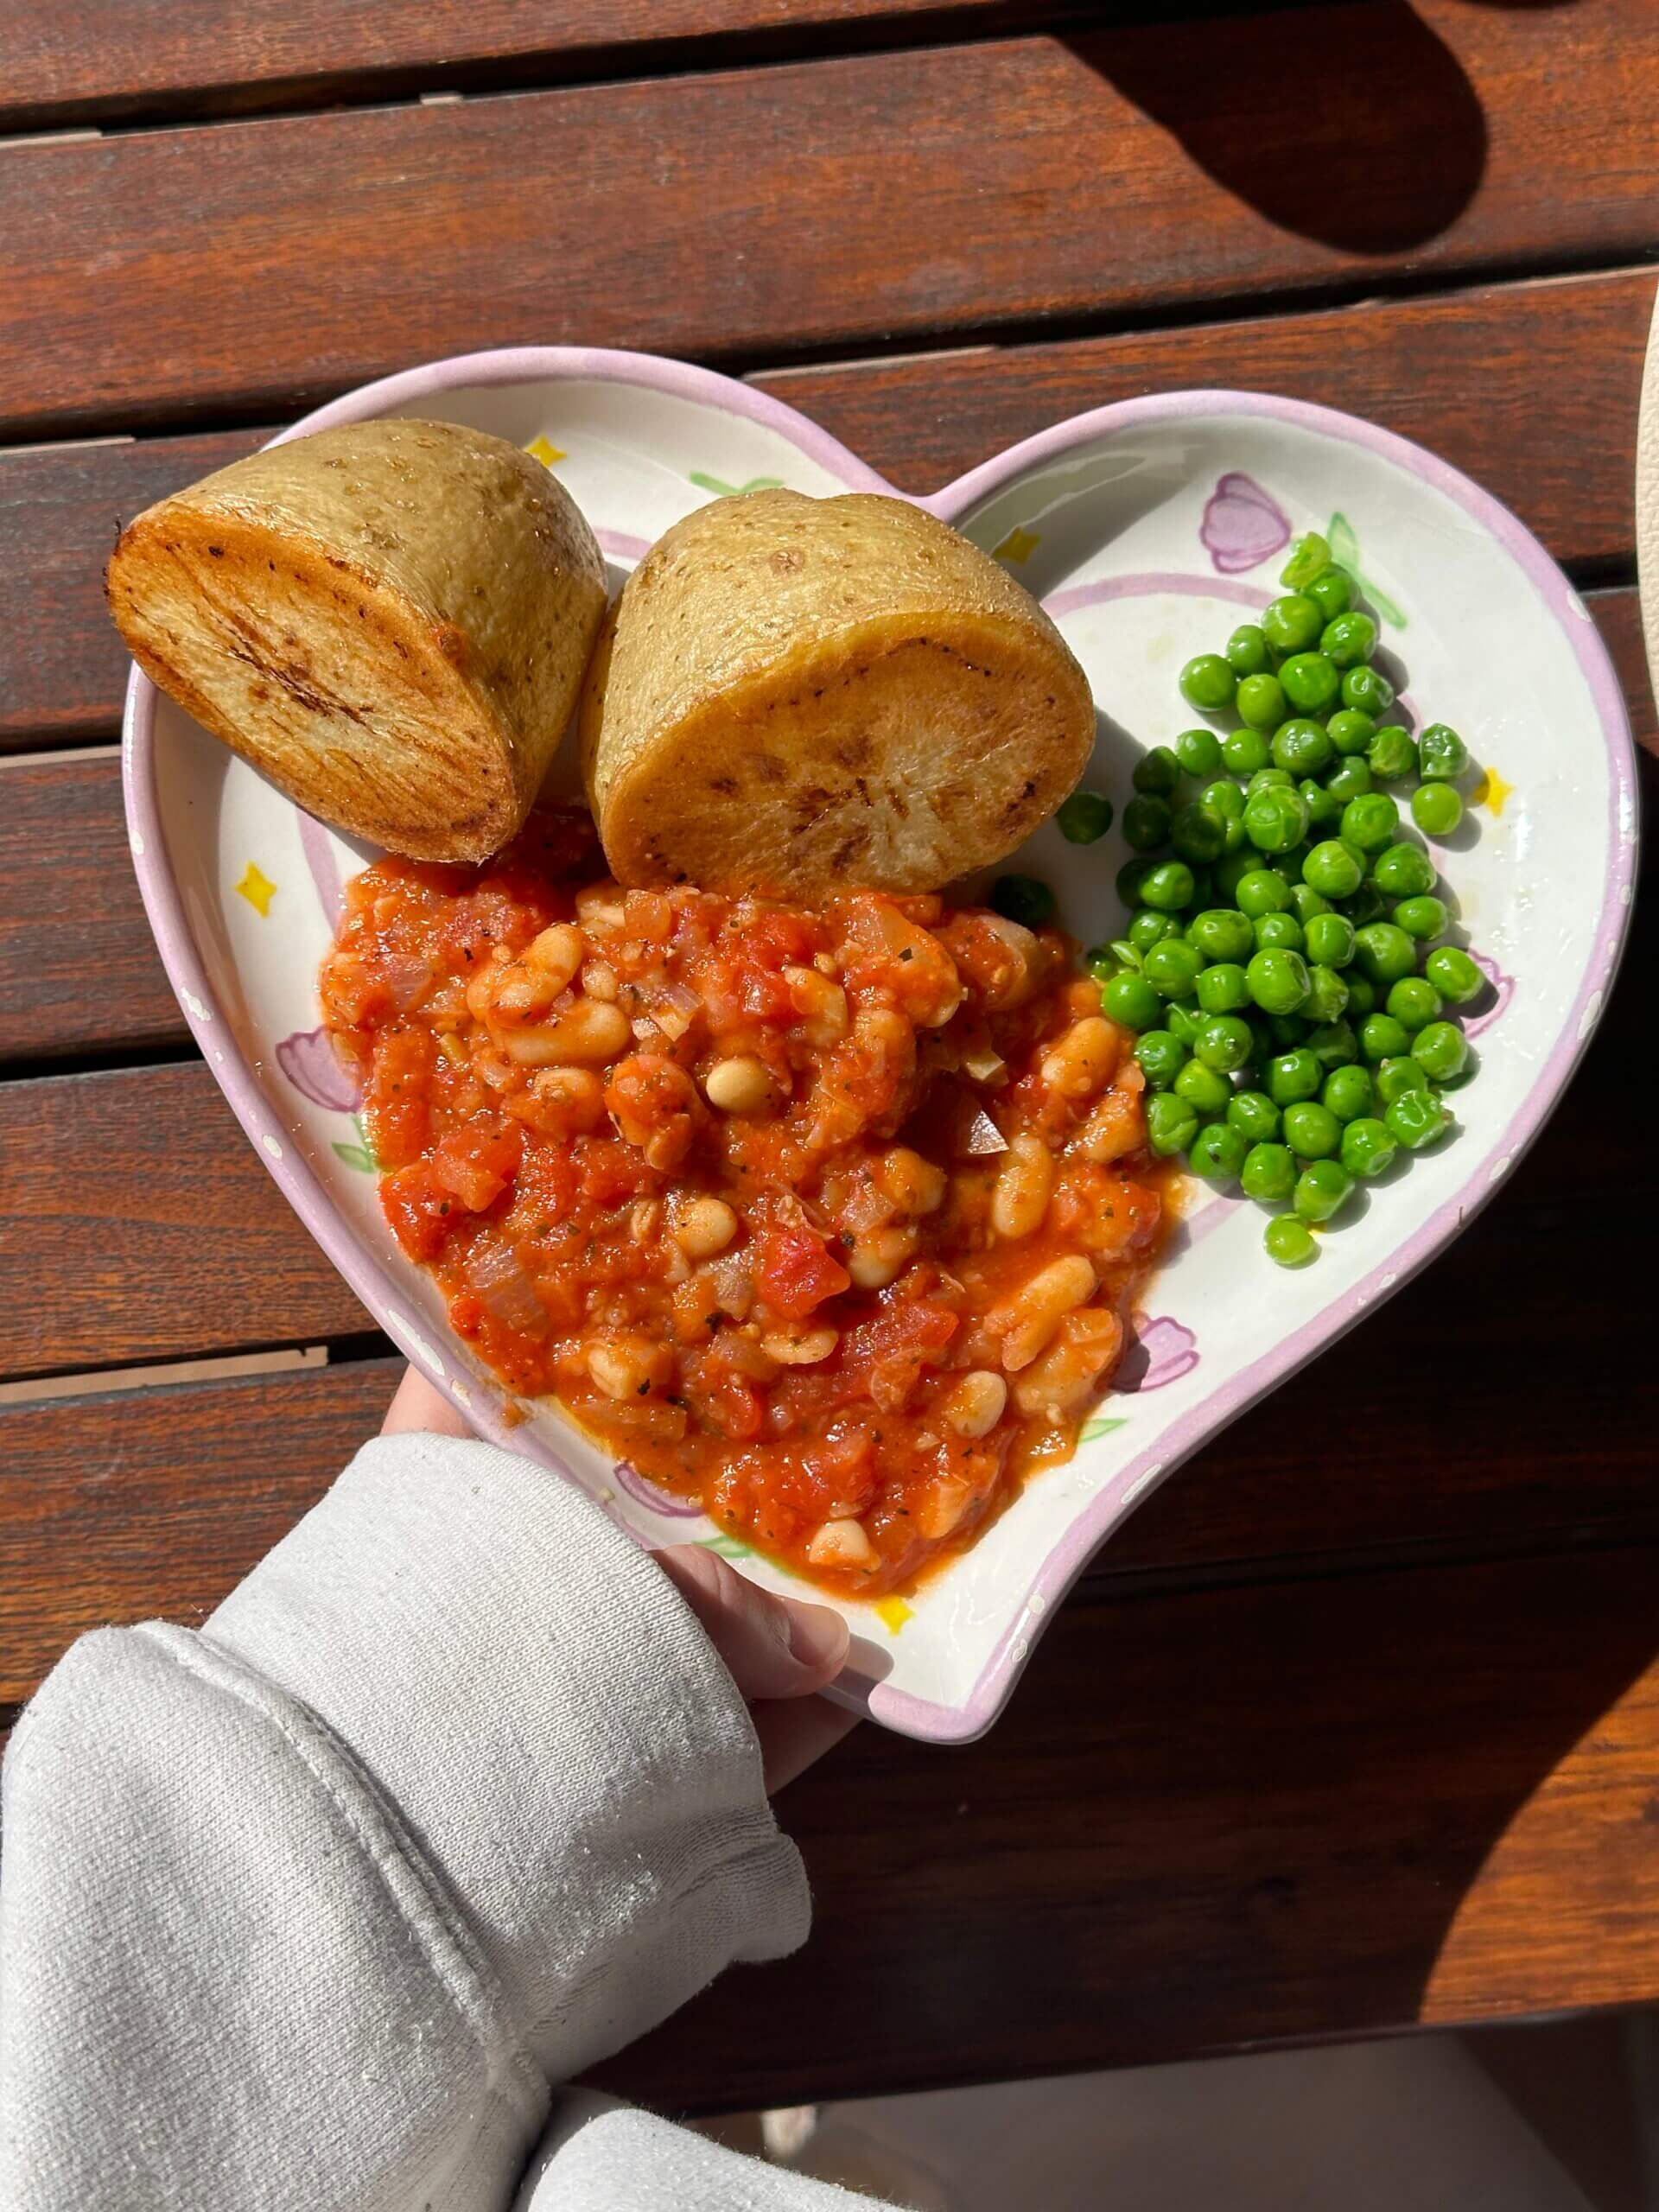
x: 390, y: 618
x: 793, y: 695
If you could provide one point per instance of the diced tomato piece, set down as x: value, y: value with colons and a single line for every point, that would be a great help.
x: 796, y: 1272
x: 400, y: 1081
x: 418, y: 1210
x: 475, y: 1165
x: 768, y: 996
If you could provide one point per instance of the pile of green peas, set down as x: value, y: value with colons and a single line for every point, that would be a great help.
x: 1281, y: 967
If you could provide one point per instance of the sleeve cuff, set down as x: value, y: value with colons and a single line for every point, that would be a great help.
x: 532, y: 1693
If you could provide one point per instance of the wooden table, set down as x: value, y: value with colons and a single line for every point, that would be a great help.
x: 1356, y: 1725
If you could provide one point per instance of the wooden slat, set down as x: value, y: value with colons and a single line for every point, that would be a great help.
x: 1297, y: 1811
x: 136, y: 1224
x: 112, y: 60
x: 809, y: 205
x: 1532, y: 389
x: 94, y: 984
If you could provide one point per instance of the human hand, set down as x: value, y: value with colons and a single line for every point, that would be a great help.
x: 779, y: 1650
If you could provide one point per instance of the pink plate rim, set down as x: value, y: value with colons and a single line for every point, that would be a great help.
x: 895, y: 1708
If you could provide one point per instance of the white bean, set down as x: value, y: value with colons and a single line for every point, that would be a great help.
x: 878, y: 1255
x: 703, y: 1227
x: 740, y: 1085
x: 805, y: 1349
x: 841, y: 1543
x: 914, y: 1184
x: 590, y: 1033
x: 975, y: 1405
x: 1083, y: 1061
x: 1037, y: 1308
x: 1023, y: 1184
x: 556, y: 953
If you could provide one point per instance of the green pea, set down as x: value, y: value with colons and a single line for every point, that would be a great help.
x: 1148, y: 927
x: 1382, y: 1037
x: 1367, y: 690
x: 1349, y: 779
x: 1361, y: 993
x: 1286, y: 1031
x: 1369, y: 1148
x: 1454, y: 975
x: 1197, y: 835
x: 1327, y: 994
x: 1311, y: 1131
x: 1221, y: 933
x: 1307, y: 903
x: 1391, y: 753
x: 1244, y: 751
x: 1398, y: 1076
x: 1147, y: 823
x: 1309, y: 557
x: 1260, y: 892
x: 1275, y: 819
x: 1320, y: 1189
x: 1383, y: 952
x: 1247, y: 651
x: 1403, y: 872
x: 1349, y: 1093
x: 1217, y: 1153
x: 1224, y: 796
x: 1331, y: 593
x: 1254, y: 1114
x: 1223, y: 987
x: 1436, y: 809
x: 1202, y: 1087
x: 1350, y: 732
x: 1172, y: 1123
x: 1330, y: 938
x: 1416, y: 1118
x: 1269, y: 1173
x: 1310, y: 680
x: 1333, y: 870
x: 1367, y: 905
x: 1322, y: 808
x: 1442, y: 753
x: 1199, y: 752
x: 1233, y: 867
x: 1132, y: 1003
x: 1290, y: 1242
x: 1293, y: 1076
x: 1162, y: 1056
x: 1208, y: 683
x: 1023, y: 898
x: 1441, y: 1049
x: 1172, y: 967
x: 1183, y: 1022
x: 1302, y: 746
x: 1085, y: 818
x: 1278, y: 981
x: 1101, y: 962
x: 1130, y: 877
x: 1290, y: 625
x: 1224, y: 1044
x: 1348, y: 639
x: 1370, y: 821
x: 1269, y: 779
x: 1124, y: 954
x: 1169, y: 887
x: 1333, y: 1045
x: 1282, y: 932
x: 1423, y: 917
x: 1260, y: 702
x: 1157, y: 772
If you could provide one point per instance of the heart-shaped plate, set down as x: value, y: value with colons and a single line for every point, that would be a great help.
x: 1148, y: 529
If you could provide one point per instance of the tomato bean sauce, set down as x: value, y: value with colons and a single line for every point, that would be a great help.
x: 828, y: 1219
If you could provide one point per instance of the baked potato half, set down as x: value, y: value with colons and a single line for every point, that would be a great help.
x: 390, y: 618
x: 793, y: 695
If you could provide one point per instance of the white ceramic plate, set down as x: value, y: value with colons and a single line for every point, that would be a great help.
x: 1149, y: 530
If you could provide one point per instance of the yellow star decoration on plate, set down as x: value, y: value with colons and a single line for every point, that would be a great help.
x: 893, y: 1614
x: 540, y: 449
x: 1491, y: 790
x: 1019, y: 545
x: 258, y: 889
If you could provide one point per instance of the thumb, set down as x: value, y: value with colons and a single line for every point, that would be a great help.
x: 775, y: 1647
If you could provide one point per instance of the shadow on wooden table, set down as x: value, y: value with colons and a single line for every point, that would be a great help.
x: 1296, y: 1812
x: 1354, y: 126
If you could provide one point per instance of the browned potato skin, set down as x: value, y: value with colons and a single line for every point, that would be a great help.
x: 793, y: 695
x: 391, y: 620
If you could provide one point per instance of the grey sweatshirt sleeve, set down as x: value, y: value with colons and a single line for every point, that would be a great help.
x: 449, y: 1799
